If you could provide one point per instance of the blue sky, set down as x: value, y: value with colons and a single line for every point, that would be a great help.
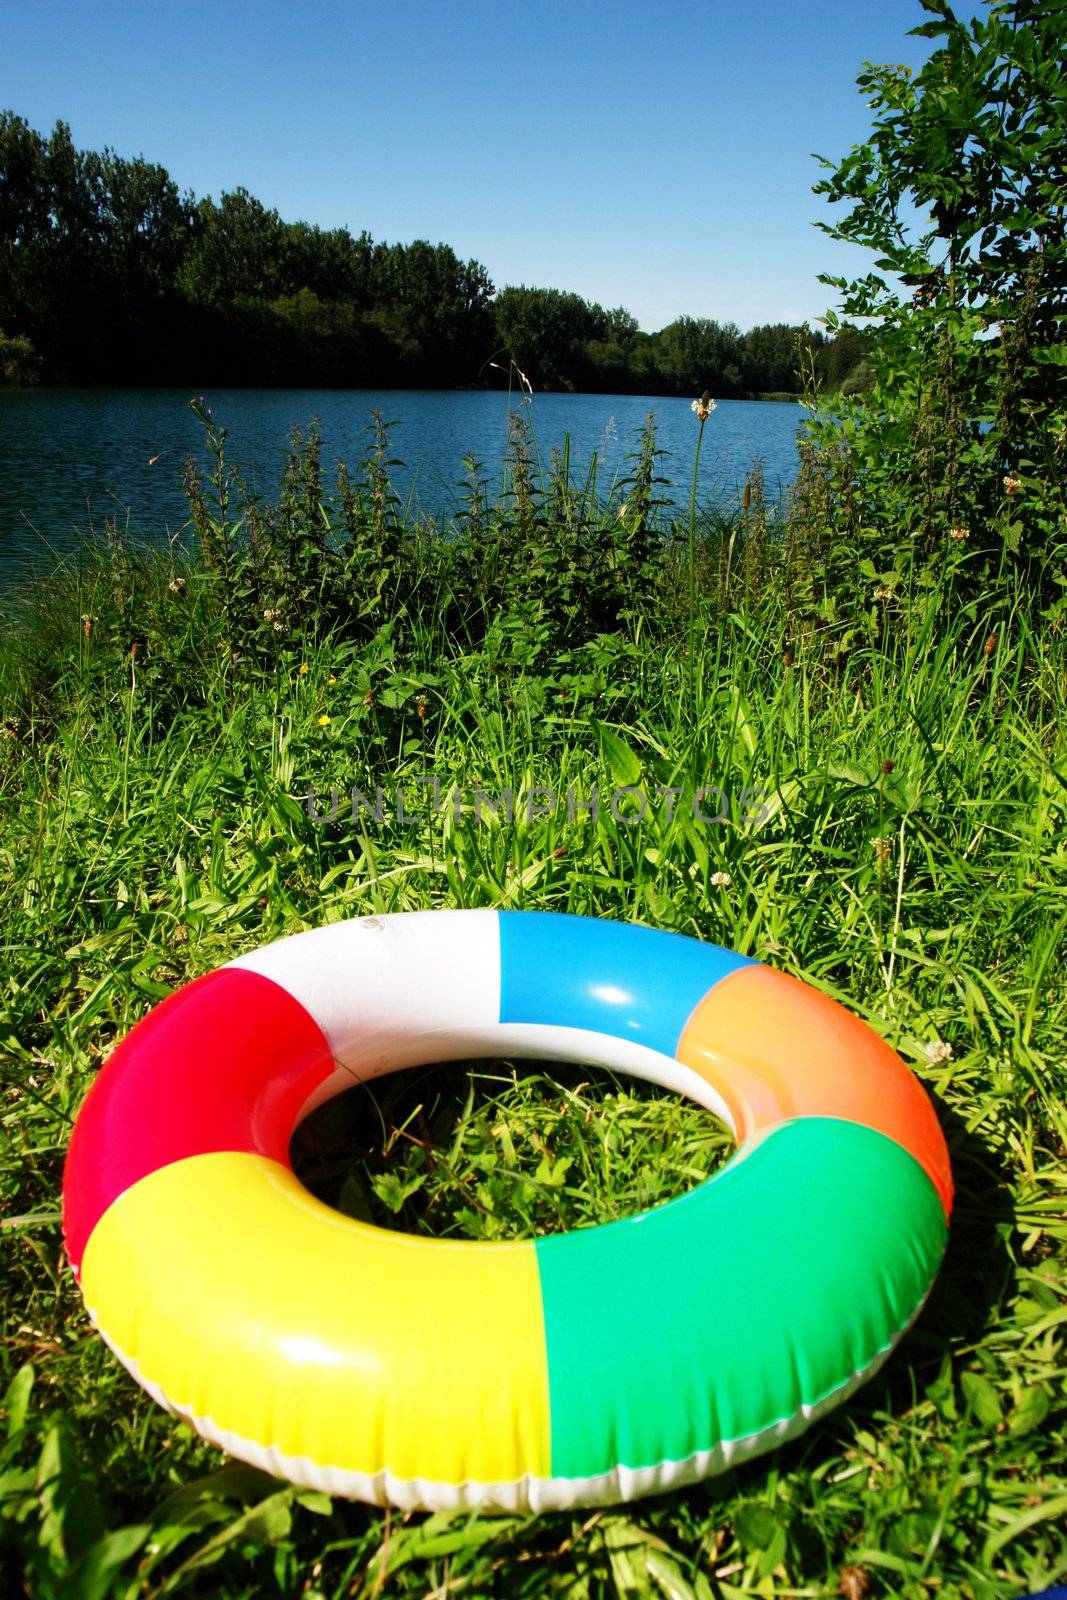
x: 651, y: 156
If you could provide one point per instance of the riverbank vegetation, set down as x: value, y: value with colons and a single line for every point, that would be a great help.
x: 110, y: 275
x: 880, y: 659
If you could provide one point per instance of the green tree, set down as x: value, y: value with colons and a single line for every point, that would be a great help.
x: 24, y: 221
x: 769, y: 359
x: 961, y: 191
x: 609, y: 356
x: 435, y: 310
x: 18, y: 364
x: 239, y: 249
x: 546, y: 332
x: 692, y: 354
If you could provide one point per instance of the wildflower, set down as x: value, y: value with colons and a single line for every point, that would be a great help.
x: 303, y: 669
x: 324, y: 722
x: 884, y: 591
x: 883, y: 848
x: 421, y: 709
x: 721, y: 880
x: 368, y: 698
x: 703, y: 407
x: 990, y: 644
x: 87, y: 624
x: 959, y: 534
x: 1012, y: 483
x: 270, y: 615
x: 938, y: 1052
x: 279, y: 627
x: 176, y: 586
x: 331, y: 681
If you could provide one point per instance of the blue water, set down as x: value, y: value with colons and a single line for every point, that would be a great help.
x: 70, y: 460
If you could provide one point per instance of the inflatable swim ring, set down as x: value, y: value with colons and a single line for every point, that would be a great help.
x: 579, y: 1368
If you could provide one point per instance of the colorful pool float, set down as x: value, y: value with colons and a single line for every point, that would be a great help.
x: 578, y: 1368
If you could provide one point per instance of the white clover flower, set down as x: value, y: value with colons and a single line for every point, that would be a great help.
x: 721, y: 880
x: 939, y: 1052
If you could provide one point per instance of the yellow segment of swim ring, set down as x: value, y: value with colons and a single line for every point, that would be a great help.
x: 363, y: 1349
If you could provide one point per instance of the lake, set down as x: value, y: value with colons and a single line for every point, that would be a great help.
x: 71, y: 459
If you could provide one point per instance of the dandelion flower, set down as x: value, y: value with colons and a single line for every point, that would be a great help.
x: 324, y: 722
x: 303, y: 668
x: 331, y: 681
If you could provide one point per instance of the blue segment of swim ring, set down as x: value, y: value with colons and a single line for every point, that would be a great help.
x: 611, y: 977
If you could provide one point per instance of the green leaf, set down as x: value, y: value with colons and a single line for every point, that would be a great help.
x: 17, y: 1400
x: 353, y: 1201
x: 445, y: 1534
x: 91, y: 1578
x: 982, y: 1398
x: 668, y: 1578
x: 392, y: 1192
x: 755, y: 1526
x: 314, y: 1500
x: 1049, y: 1511
x: 234, y: 1481
x: 1034, y: 1406
x: 70, y: 1511
x: 622, y: 763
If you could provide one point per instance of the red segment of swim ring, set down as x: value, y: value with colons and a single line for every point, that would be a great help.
x: 223, y: 1064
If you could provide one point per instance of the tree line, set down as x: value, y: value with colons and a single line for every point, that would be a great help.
x: 110, y: 275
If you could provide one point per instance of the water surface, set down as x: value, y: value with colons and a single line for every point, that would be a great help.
x: 72, y: 459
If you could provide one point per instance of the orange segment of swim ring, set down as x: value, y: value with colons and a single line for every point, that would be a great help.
x: 775, y: 1049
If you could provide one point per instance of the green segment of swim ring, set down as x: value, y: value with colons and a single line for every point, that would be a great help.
x: 723, y: 1313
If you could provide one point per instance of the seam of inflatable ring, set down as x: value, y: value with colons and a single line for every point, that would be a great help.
x: 530, y: 1492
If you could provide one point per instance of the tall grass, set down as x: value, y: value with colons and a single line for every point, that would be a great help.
x: 891, y: 827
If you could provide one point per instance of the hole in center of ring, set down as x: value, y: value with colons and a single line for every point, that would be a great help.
x: 493, y: 1149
